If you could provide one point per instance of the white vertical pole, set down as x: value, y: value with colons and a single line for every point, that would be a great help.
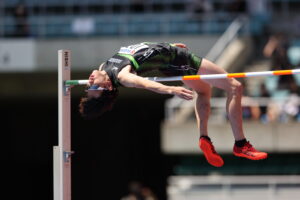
x: 62, y: 152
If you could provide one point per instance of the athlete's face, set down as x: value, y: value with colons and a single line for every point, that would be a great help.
x: 101, y: 79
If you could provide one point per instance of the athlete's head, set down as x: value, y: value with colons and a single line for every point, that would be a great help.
x: 100, y: 78
x: 96, y: 101
x: 92, y: 106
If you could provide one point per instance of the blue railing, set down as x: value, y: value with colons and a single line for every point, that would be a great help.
x: 102, y: 25
x: 76, y: 18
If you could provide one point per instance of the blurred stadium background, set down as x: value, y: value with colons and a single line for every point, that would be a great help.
x: 147, y: 146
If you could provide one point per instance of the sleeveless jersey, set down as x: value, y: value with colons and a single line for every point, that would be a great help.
x: 164, y: 57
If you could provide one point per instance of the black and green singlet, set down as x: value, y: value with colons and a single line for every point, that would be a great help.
x: 168, y: 59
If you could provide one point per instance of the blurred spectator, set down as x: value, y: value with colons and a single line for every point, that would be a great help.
x: 259, y: 12
x: 285, y: 86
x: 268, y: 112
x: 139, y: 192
x: 294, y: 54
x: 236, y: 6
x: 258, y: 8
x: 282, y: 107
x: 290, y: 108
x: 276, y: 49
x: 21, y: 25
x: 200, y: 6
x: 250, y: 107
x: 263, y: 92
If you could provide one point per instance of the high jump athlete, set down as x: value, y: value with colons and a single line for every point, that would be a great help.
x: 125, y: 67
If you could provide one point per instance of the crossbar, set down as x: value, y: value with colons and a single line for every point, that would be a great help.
x: 206, y: 76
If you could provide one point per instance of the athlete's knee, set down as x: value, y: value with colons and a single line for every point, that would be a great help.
x: 204, y: 92
x: 236, y: 88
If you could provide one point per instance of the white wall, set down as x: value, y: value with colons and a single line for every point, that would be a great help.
x: 17, y: 55
x: 41, y: 55
x: 271, y: 137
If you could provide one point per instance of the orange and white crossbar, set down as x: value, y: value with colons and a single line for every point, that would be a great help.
x: 223, y: 76
x: 206, y: 76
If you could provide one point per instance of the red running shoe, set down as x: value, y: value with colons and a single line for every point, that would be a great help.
x: 210, y: 153
x: 247, y: 151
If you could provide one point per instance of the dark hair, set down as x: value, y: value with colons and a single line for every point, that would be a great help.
x: 92, y: 108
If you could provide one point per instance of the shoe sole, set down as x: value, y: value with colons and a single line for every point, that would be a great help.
x: 210, y: 157
x: 249, y: 157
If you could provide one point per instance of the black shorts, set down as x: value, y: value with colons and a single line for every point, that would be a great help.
x: 184, y: 62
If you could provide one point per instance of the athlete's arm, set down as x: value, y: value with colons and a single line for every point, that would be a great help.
x: 128, y: 79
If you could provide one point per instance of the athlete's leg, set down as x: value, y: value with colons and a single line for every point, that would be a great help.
x: 242, y: 147
x: 233, y: 104
x: 202, y: 111
x: 202, y: 107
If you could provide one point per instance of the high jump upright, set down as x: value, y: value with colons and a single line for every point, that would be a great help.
x: 62, y: 152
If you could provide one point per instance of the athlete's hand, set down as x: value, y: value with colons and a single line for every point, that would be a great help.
x: 182, y: 92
